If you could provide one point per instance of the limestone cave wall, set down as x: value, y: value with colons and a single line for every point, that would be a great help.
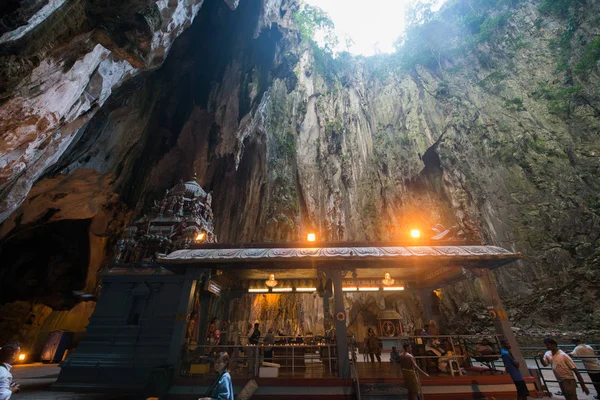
x: 104, y: 106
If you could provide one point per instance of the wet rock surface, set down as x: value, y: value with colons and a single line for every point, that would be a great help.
x: 287, y: 146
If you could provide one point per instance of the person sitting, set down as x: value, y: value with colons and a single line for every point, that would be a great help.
x: 432, y: 349
x: 485, y: 354
x: 484, y: 348
x: 221, y: 388
x: 426, y: 331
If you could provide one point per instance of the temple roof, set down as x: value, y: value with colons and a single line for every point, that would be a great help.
x: 188, y: 189
x: 468, y: 256
x: 429, y: 265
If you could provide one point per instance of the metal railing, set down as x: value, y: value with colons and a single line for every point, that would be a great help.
x: 532, y: 351
x: 577, y: 359
x: 294, y: 357
x: 354, y: 369
x: 456, y: 347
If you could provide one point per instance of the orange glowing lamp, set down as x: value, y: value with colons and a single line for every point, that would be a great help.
x: 200, y: 237
x: 311, y: 237
x: 415, y: 233
x: 21, y: 357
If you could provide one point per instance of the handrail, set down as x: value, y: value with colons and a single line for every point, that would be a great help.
x: 354, y: 370
x: 204, y: 354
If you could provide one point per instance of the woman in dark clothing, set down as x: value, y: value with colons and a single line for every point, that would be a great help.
x: 373, y: 347
x: 221, y: 388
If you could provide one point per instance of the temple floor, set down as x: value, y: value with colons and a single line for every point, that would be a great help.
x: 36, y: 379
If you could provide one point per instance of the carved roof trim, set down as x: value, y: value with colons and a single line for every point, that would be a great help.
x: 447, y: 253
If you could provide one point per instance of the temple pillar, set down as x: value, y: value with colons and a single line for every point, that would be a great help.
x: 192, y: 278
x: 203, y: 318
x: 340, y: 324
x: 500, y: 317
x: 327, y: 323
x: 425, y: 295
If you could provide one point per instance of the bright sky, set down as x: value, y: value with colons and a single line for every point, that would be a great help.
x: 374, y: 25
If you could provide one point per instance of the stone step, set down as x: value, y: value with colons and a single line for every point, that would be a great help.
x: 382, y: 391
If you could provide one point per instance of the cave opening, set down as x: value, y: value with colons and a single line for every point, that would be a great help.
x: 46, y: 263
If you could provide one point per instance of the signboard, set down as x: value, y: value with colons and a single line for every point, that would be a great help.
x: 214, y: 288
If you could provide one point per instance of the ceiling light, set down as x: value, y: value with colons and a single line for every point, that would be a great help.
x: 258, y: 290
x: 283, y: 289
x: 393, y: 288
x: 388, y: 280
x: 368, y: 289
x: 271, y: 282
x: 306, y: 289
x: 349, y: 289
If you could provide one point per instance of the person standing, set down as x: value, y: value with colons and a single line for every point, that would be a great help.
x: 409, y: 372
x: 395, y: 361
x: 269, y: 341
x: 8, y: 355
x: 394, y: 356
x: 512, y: 367
x: 373, y: 347
x: 590, y: 361
x: 563, y: 368
x: 221, y: 388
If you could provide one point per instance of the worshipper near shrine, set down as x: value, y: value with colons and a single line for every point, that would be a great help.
x: 563, y: 368
x: 433, y: 330
x: 590, y: 361
x: 512, y: 367
x: 409, y: 372
x: 372, y: 345
x: 269, y: 340
x: 8, y: 355
x: 394, y: 356
x: 426, y: 330
x: 221, y: 388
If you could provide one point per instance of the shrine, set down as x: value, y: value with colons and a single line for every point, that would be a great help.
x: 174, y: 296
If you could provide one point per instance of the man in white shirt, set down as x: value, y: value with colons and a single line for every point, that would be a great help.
x: 563, y: 368
x: 590, y: 361
x: 8, y: 355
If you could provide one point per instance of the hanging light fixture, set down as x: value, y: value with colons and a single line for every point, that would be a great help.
x: 271, y: 282
x: 388, y: 280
